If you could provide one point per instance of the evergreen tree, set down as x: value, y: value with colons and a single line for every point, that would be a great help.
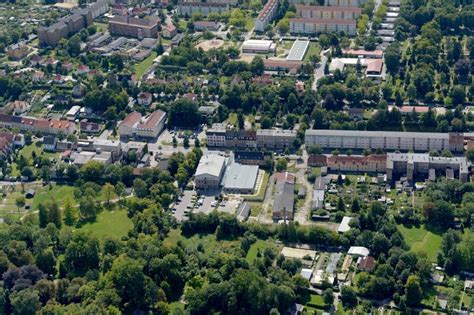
x: 54, y: 215
x: 43, y: 215
x: 70, y: 213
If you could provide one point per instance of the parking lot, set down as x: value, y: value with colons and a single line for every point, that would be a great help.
x: 206, y: 203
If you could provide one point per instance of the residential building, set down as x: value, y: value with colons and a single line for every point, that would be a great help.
x: 49, y: 143
x: 16, y: 107
x: 416, y: 164
x: 366, y: 264
x: 169, y: 31
x: 315, y: 26
x: 206, y: 25
x: 73, y: 112
x: 275, y: 138
x: 267, y: 15
x: 134, y: 27
x: 204, y: 8
x: 49, y: 126
x: 258, y: 46
x: 284, y: 198
x: 346, y: 163
x: 145, y: 98
x: 250, y: 157
x: 134, y: 125
x: 317, y: 160
x: 7, y: 143
x: 332, y: 3
x: 372, y: 67
x: 17, y: 51
x: 209, y: 172
x: 327, y: 12
x: 358, y: 251
x: 71, y: 24
x: 385, y: 140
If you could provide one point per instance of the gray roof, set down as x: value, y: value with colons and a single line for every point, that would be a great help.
x: 243, y: 212
x: 239, y: 176
x: 357, y: 133
x: 211, y: 164
x: 284, y: 197
x: 344, y: 225
x: 298, y: 50
x: 276, y: 132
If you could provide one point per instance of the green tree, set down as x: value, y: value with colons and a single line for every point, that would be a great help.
x: 413, y: 291
x: 43, y: 215
x: 328, y: 296
x: 25, y: 302
x: 70, y: 212
x: 108, y: 191
x: 54, y: 213
x: 281, y: 164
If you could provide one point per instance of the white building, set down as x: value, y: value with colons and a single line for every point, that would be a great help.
x: 258, y: 46
x: 134, y: 125
x: 386, y: 140
x: 210, y: 171
x: 314, y: 26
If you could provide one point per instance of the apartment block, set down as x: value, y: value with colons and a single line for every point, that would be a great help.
x: 204, y: 8
x: 71, y: 24
x: 134, y: 27
x: 413, y: 164
x: 346, y: 163
x: 314, y: 26
x: 49, y: 126
x: 266, y: 16
x: 333, y: 3
x: 386, y: 140
x: 219, y: 136
x: 327, y: 13
x: 275, y: 139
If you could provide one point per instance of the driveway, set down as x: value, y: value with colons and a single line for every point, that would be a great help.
x: 319, y: 71
x: 181, y: 207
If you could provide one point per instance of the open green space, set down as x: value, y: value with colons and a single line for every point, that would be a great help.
x: 141, y: 68
x: 316, y: 301
x: 421, y: 240
x: 57, y: 192
x: 313, y: 49
x: 114, y: 224
x: 258, y: 246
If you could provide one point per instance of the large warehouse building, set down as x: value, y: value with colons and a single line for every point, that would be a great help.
x: 255, y: 46
x: 240, y: 179
x: 386, y: 140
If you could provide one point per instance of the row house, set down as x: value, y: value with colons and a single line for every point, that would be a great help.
x: 346, y: 163
x: 49, y: 126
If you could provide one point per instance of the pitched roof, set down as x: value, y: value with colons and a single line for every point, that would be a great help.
x: 131, y: 119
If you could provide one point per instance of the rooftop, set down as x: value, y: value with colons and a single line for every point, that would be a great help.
x: 357, y: 133
x: 211, y: 164
x: 239, y: 176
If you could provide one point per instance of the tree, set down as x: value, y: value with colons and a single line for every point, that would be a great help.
x: 131, y: 284
x: 54, y: 213
x: 70, y: 212
x: 20, y: 202
x: 108, y: 191
x: 413, y: 291
x: 355, y: 207
x: 348, y: 297
x: 27, y: 172
x: 25, y: 302
x: 82, y: 254
x: 328, y: 296
x: 120, y: 190
x: 256, y: 66
x: 43, y: 215
x: 392, y: 58
x: 184, y: 113
x: 281, y: 164
x: 140, y: 188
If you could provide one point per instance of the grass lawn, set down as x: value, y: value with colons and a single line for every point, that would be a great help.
x: 313, y: 49
x: 232, y: 119
x: 421, y: 240
x: 36, y: 147
x: 259, y: 245
x: 249, y: 23
x: 145, y: 64
x: 58, y: 192
x: 316, y: 301
x: 256, y: 208
x: 261, y: 193
x: 113, y: 224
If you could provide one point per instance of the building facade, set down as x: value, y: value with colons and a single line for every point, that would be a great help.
x: 327, y: 12
x: 49, y: 126
x: 385, y: 140
x: 204, y: 8
x: 346, y: 163
x: 136, y: 126
x: 266, y: 16
x: 134, y: 27
x: 209, y: 171
x: 315, y: 26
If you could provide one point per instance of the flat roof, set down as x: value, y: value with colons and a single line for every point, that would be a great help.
x: 211, y: 164
x: 239, y: 176
x: 344, y: 225
x: 298, y: 50
x: 358, y: 133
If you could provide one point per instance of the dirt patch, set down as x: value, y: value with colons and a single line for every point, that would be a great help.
x: 209, y: 44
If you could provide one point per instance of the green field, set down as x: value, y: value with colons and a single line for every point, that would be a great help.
x: 209, y: 242
x: 141, y: 68
x: 316, y: 302
x: 58, y: 192
x: 113, y: 224
x: 421, y: 240
x: 313, y: 49
x: 259, y: 245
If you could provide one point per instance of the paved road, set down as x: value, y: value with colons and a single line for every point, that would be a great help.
x: 319, y: 71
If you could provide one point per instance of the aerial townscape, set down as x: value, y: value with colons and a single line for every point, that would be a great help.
x: 195, y: 157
